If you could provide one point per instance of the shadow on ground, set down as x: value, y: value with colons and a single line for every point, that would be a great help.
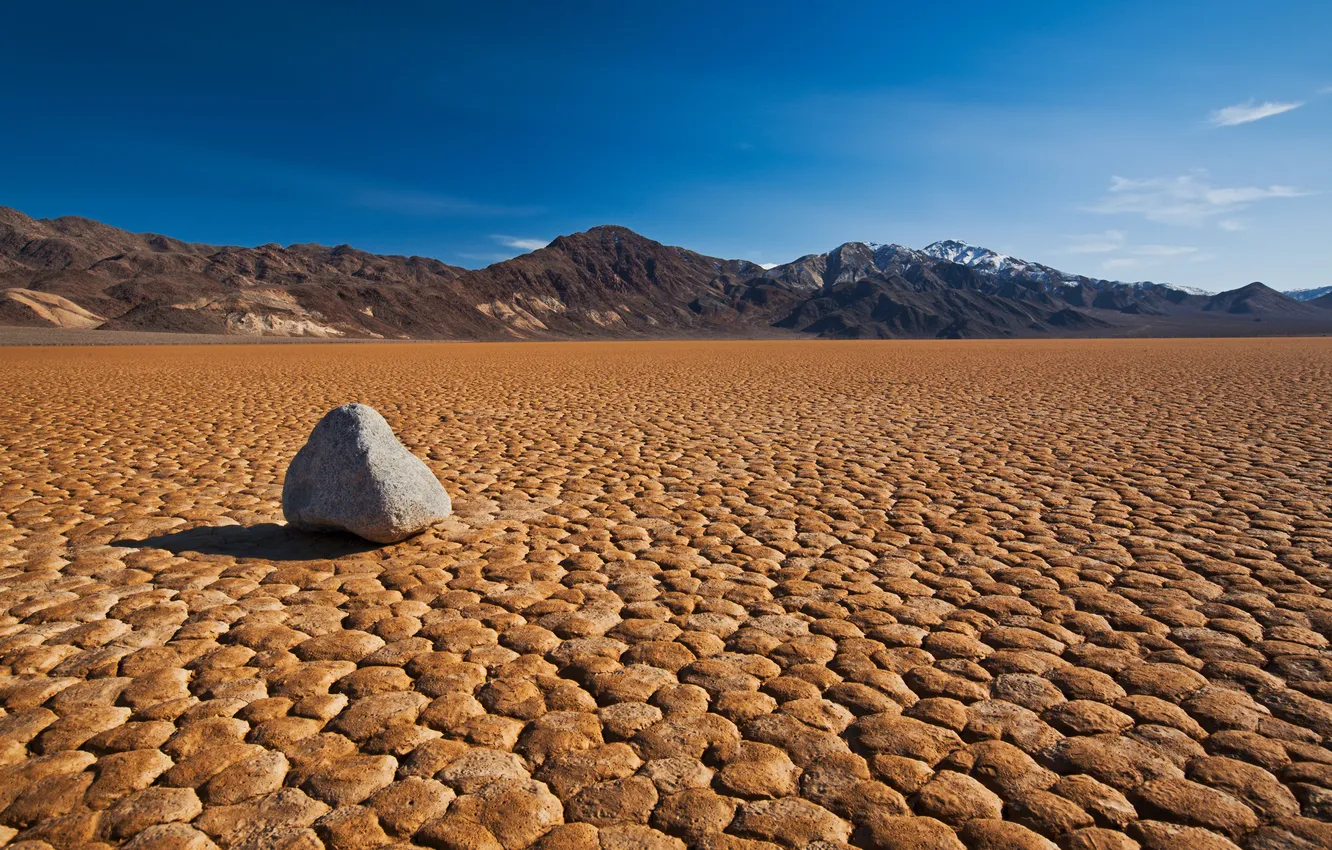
x: 269, y: 541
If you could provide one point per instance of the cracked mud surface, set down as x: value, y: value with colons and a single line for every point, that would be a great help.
x: 721, y: 595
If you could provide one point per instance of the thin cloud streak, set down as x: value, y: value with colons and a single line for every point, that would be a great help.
x: 425, y: 204
x: 1101, y: 243
x: 1186, y: 200
x: 1163, y: 250
x: 520, y: 243
x: 1247, y: 113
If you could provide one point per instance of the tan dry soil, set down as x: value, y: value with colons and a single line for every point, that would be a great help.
x: 739, y: 596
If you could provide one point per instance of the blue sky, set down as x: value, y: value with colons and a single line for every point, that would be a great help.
x: 1182, y: 142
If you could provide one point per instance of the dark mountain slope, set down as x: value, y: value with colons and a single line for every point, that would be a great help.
x: 607, y: 282
x: 1257, y: 299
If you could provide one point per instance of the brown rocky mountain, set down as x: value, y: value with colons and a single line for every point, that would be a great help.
x: 607, y: 282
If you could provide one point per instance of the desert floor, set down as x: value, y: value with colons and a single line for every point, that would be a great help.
x: 723, y: 595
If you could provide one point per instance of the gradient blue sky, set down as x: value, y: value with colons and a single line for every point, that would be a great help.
x: 1134, y: 140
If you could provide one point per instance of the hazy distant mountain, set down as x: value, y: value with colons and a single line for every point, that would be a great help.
x: 607, y: 282
x: 1309, y: 294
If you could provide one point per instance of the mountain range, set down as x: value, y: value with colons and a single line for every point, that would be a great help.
x: 606, y: 282
x: 1309, y: 294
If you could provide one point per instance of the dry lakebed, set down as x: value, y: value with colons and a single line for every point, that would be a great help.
x: 724, y: 595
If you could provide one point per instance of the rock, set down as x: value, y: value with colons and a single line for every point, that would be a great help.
x: 1107, y: 806
x: 53, y: 797
x: 266, y: 822
x: 245, y: 780
x: 477, y: 768
x: 558, y: 733
x: 569, y: 773
x: 171, y: 836
x: 453, y: 832
x: 1027, y: 690
x: 628, y: 800
x: 632, y: 836
x: 122, y: 774
x: 759, y: 770
x: 1098, y: 838
x: 803, y: 743
x: 906, y: 775
x: 694, y: 813
x: 432, y: 757
x: 353, y: 475
x: 827, y: 779
x: 1159, y: 835
x: 910, y: 833
x: 1272, y: 838
x: 1086, y: 717
x: 371, y: 715
x: 790, y: 821
x: 993, y: 834
x: 1171, y: 744
x: 151, y: 806
x: 1115, y: 760
x: 1049, y: 814
x: 351, y: 828
x: 1022, y: 727
x: 351, y: 779
x: 515, y: 812
x: 956, y: 798
x: 1248, y: 783
x: 1315, y: 802
x: 1190, y: 803
x: 570, y: 836
x: 904, y: 736
x: 404, y: 806
x: 626, y: 719
x: 673, y: 775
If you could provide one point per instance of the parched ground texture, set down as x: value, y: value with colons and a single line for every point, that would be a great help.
x: 739, y: 596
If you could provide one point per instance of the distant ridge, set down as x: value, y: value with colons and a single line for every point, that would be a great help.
x: 604, y: 283
x: 1309, y: 294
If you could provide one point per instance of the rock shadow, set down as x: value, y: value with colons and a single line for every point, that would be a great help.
x: 268, y: 541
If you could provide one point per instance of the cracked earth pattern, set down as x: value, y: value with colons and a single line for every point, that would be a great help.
x: 741, y: 596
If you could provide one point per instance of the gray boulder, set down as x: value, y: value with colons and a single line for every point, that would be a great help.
x: 353, y: 475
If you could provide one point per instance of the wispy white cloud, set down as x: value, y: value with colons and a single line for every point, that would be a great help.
x: 1119, y: 263
x: 486, y: 258
x: 410, y: 202
x: 1097, y: 243
x: 1247, y: 113
x: 1163, y: 250
x: 1231, y: 224
x: 1190, y: 199
x: 520, y: 243
x: 1116, y: 241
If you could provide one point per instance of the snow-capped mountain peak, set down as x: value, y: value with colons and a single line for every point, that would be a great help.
x: 1189, y: 290
x: 985, y: 260
x: 1309, y: 294
x: 963, y: 253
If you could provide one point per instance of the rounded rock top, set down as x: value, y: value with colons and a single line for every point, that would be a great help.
x: 354, y: 475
